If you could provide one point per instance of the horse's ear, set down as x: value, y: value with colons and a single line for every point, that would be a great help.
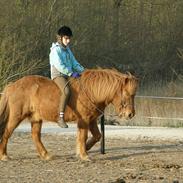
x: 129, y: 74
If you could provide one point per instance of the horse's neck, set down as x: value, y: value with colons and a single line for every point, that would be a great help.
x: 89, y: 98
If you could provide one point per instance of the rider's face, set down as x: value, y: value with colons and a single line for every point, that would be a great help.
x: 65, y: 40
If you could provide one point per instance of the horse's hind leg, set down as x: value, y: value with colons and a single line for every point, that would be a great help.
x: 36, y: 136
x: 96, y: 135
x: 12, y: 123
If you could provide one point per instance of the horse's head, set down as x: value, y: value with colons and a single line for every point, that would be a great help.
x: 123, y: 99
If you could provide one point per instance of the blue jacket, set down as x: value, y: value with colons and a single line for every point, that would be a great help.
x: 63, y: 60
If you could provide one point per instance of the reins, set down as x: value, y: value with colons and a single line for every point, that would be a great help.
x: 89, y: 98
x: 91, y: 101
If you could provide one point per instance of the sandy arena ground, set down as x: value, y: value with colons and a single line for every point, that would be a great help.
x: 132, y: 155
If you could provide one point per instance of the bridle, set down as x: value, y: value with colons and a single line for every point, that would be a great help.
x: 122, y: 104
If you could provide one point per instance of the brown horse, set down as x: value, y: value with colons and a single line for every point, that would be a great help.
x: 37, y: 98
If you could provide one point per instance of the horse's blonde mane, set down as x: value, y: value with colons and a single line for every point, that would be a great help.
x: 102, y: 83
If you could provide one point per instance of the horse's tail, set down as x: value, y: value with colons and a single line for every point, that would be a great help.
x: 4, y: 113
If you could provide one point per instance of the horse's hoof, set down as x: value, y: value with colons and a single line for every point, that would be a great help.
x: 86, y: 158
x: 47, y: 157
x: 5, y: 158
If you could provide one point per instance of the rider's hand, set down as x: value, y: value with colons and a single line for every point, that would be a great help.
x: 75, y: 75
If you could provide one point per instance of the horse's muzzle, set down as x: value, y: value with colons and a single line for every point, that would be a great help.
x: 127, y: 115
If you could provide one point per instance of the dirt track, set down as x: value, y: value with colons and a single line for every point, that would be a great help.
x: 125, y: 161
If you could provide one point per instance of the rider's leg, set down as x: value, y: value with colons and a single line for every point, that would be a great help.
x: 64, y: 87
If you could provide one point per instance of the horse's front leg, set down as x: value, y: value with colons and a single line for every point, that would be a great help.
x: 96, y: 135
x: 82, y: 135
x: 36, y: 136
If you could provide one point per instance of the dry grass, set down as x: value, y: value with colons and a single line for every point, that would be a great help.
x: 17, y: 64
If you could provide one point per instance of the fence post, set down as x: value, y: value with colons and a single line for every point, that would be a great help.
x: 102, y: 142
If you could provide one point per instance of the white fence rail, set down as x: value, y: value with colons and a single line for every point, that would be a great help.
x: 157, y: 97
x: 157, y: 117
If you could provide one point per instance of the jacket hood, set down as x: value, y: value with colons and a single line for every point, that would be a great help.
x: 54, y: 45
